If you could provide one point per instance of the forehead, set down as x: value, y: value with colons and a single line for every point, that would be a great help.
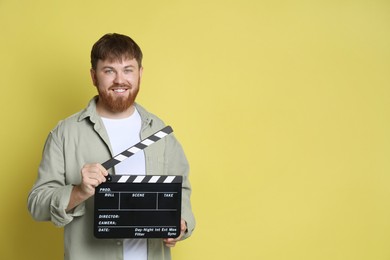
x: 117, y: 63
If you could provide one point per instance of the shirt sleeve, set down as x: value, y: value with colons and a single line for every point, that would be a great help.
x: 50, y: 194
x: 178, y: 165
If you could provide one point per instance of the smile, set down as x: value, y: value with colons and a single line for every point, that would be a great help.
x: 120, y: 90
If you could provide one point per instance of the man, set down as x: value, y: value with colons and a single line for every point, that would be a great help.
x: 112, y: 122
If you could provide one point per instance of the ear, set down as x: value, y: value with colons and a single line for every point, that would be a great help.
x: 93, y: 77
x: 140, y: 72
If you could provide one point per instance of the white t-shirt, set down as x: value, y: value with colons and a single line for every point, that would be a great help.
x: 124, y: 133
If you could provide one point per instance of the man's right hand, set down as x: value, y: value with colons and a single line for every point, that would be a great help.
x: 92, y: 175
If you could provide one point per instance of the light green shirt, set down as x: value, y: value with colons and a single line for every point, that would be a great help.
x: 81, y: 139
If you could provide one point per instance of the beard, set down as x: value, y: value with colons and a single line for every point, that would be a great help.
x: 118, y: 104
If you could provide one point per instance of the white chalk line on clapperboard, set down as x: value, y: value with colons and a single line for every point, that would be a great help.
x: 136, y: 148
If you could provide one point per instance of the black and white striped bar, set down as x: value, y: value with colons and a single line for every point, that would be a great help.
x: 163, y: 179
x: 136, y: 148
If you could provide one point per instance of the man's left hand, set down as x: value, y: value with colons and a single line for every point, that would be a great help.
x: 171, y: 242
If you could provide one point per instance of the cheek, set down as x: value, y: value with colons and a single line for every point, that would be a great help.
x: 103, y: 83
x: 136, y: 80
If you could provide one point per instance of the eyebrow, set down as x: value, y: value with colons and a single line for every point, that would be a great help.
x: 111, y: 67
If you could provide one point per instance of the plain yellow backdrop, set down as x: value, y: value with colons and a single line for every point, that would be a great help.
x: 282, y: 108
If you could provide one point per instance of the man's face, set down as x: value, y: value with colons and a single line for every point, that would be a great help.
x: 117, y: 83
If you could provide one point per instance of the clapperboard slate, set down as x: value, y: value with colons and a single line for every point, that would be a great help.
x: 138, y: 206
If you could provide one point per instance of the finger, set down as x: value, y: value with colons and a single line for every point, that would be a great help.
x: 99, y: 177
x: 91, y: 183
x: 101, y: 173
x: 95, y: 167
x: 170, y: 242
x: 102, y: 169
x: 88, y: 186
x: 94, y: 171
x: 183, y: 226
x: 170, y: 245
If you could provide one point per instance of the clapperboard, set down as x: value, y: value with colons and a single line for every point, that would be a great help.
x: 138, y: 206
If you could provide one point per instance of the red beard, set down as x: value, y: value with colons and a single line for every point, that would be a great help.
x: 118, y: 104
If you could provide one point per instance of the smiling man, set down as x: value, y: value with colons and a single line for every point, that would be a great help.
x: 70, y: 168
x: 117, y: 80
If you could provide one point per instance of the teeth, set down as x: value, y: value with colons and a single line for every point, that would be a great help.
x: 119, y: 90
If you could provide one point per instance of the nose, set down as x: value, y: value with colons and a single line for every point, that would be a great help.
x: 119, y: 78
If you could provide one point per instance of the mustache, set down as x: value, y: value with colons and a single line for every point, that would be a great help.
x: 125, y: 85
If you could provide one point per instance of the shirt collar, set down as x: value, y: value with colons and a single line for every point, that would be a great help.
x: 90, y: 112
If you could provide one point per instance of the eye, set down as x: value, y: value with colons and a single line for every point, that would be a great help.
x: 128, y: 71
x: 108, y: 71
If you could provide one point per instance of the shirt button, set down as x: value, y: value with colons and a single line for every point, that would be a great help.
x: 119, y: 243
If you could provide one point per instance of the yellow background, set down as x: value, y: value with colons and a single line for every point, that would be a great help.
x: 282, y: 107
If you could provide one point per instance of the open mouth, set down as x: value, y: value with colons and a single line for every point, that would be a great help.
x: 120, y: 90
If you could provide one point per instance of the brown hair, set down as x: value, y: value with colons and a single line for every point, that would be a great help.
x: 115, y: 46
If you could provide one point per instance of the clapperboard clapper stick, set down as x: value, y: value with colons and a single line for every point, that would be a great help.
x: 138, y: 206
x: 136, y: 148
